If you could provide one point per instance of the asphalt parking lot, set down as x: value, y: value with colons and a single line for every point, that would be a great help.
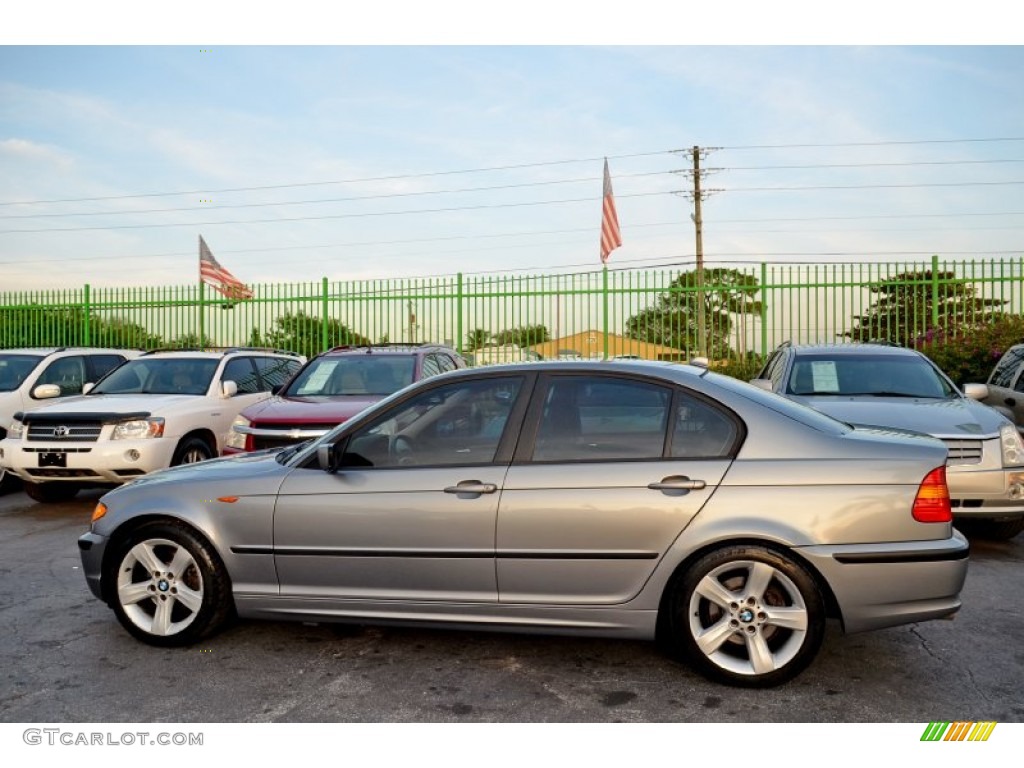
x: 64, y: 658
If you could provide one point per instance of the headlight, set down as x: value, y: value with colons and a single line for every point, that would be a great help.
x: 1012, y: 446
x: 236, y: 439
x: 138, y: 429
x: 15, y: 430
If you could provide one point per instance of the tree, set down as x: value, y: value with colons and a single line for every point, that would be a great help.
x: 119, y: 332
x: 302, y: 333
x: 45, y: 327
x: 673, y: 320
x: 523, y: 336
x: 906, y: 304
x: 192, y: 341
x: 477, y: 338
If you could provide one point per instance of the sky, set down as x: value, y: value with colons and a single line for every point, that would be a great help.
x: 398, y: 153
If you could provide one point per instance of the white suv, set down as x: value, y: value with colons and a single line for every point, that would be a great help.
x: 30, y: 377
x: 160, y: 409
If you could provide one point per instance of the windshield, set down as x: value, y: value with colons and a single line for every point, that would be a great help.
x: 353, y: 375
x: 159, y: 376
x: 14, y: 369
x: 867, y: 375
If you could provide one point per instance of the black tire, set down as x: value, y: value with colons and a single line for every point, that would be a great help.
x: 995, y: 530
x: 51, y: 493
x: 756, y: 639
x: 157, y: 605
x: 8, y: 482
x: 192, y: 450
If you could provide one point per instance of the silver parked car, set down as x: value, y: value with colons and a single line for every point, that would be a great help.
x: 626, y: 499
x: 899, y: 388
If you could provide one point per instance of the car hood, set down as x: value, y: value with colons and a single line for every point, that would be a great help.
x: 260, y: 471
x: 107, y: 404
x: 956, y: 418
x: 309, y: 410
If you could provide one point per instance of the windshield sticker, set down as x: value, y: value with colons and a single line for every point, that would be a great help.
x: 823, y: 373
x: 317, y: 380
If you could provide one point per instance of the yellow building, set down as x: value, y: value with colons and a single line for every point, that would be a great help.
x: 591, y: 344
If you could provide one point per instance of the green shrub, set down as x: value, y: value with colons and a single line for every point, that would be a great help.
x: 968, y: 354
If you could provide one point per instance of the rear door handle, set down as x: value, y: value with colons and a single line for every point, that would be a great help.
x: 471, y: 486
x: 677, y: 483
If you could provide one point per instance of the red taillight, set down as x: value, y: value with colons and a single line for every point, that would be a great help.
x: 932, y: 502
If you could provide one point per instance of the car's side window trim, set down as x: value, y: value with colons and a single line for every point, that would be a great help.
x: 527, y: 441
x: 506, y: 447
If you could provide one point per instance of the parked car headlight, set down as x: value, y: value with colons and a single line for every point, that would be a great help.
x: 14, y: 431
x: 138, y: 429
x: 1012, y: 446
x: 236, y: 439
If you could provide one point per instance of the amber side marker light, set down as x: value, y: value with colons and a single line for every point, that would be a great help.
x: 99, y: 511
x: 227, y: 499
x: 932, y: 502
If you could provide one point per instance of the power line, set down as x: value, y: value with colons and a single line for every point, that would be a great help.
x: 194, y: 224
x: 366, y: 179
x: 355, y: 198
x: 874, y: 143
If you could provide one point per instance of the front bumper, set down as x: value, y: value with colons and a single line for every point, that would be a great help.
x: 885, y: 585
x: 976, y: 492
x: 92, y: 546
x: 103, y: 461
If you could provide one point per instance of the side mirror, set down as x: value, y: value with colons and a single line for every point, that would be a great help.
x: 765, y: 384
x: 228, y: 389
x: 87, y: 388
x: 46, y: 391
x: 976, y: 391
x: 325, y: 458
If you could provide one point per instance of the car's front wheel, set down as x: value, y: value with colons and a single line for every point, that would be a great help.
x: 169, y: 587
x: 51, y: 493
x: 8, y: 481
x: 191, y: 451
x: 747, y: 615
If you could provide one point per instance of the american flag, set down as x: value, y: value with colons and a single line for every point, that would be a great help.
x: 213, y: 274
x: 611, y: 238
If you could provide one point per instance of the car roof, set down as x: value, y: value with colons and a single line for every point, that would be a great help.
x: 660, y: 368
x: 852, y: 349
x: 386, y: 349
x: 215, y: 354
x: 44, y: 351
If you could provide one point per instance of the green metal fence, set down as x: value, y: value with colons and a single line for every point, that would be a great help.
x: 648, y: 313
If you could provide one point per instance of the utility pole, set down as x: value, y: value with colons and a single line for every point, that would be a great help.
x: 698, y: 226
x: 697, y: 196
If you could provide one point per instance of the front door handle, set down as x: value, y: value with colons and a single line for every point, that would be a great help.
x: 471, y: 486
x: 677, y: 483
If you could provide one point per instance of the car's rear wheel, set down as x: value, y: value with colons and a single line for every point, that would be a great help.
x: 191, y: 451
x: 169, y: 587
x: 747, y: 615
x: 51, y: 493
x: 997, y: 530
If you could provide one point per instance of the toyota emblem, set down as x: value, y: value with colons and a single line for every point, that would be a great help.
x: 61, y: 431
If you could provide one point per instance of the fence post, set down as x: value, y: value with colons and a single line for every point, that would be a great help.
x: 86, y: 330
x: 935, y: 291
x: 324, y: 309
x: 458, y: 313
x: 201, y: 309
x: 764, y: 309
x: 604, y: 321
